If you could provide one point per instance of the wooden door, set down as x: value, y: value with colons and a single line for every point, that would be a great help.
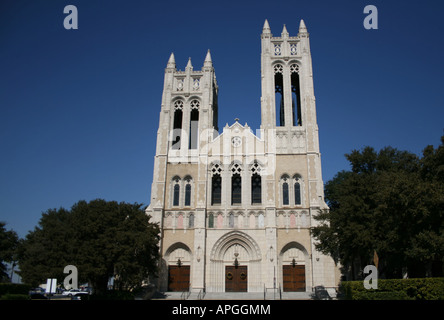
x: 178, y: 278
x: 294, y: 278
x: 236, y: 279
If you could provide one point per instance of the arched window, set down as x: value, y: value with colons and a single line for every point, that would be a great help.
x: 216, y: 189
x: 236, y: 189
x: 194, y: 124
x: 176, y: 195
x: 188, y: 195
x: 279, y: 94
x: 187, y: 191
x: 216, y: 184
x: 211, y: 221
x: 285, y: 195
x: 297, y: 193
x: 256, y: 183
x: 285, y: 190
x: 176, y: 191
x: 236, y: 184
x: 297, y: 189
x: 177, y: 124
x: 256, y: 188
x: 296, y: 95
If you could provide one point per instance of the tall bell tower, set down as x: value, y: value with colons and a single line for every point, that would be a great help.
x: 288, y: 110
x: 288, y: 104
x: 188, y: 117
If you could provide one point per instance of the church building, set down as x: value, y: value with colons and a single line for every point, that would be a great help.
x: 235, y: 207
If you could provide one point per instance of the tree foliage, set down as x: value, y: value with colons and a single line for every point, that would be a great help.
x: 8, y: 245
x: 391, y: 202
x: 102, y: 239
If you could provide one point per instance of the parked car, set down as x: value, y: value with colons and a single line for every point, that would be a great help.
x: 73, y: 292
x: 37, y: 291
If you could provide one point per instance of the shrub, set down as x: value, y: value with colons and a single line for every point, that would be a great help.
x: 14, y: 288
x: 396, y: 289
x: 14, y: 296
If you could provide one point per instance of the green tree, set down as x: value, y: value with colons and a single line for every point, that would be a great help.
x: 8, y: 245
x: 390, y: 202
x: 102, y: 239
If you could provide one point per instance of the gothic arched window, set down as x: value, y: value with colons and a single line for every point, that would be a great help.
x: 256, y: 188
x: 188, y: 195
x: 177, y: 124
x: 295, y: 95
x: 236, y: 184
x: 216, y: 184
x: 194, y: 124
x: 285, y: 190
x: 176, y: 195
x: 279, y: 94
x: 297, y: 190
x: 256, y: 184
x: 236, y: 189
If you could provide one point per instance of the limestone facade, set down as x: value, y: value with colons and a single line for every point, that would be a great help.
x: 239, y: 198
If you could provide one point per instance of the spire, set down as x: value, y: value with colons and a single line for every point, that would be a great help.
x: 302, y: 27
x: 284, y: 32
x: 208, y: 62
x: 266, y: 28
x: 171, y: 62
x: 189, y: 65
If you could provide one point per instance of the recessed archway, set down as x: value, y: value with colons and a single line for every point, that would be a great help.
x: 235, y: 249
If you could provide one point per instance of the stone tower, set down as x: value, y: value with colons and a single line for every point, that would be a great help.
x: 235, y: 208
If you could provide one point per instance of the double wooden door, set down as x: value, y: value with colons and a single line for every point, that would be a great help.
x: 294, y: 278
x: 178, y: 278
x: 236, y: 279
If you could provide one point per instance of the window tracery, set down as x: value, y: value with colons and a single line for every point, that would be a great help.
x: 216, y: 184
x: 278, y: 69
x: 277, y: 49
x: 294, y: 68
x: 293, y: 49
x: 196, y: 84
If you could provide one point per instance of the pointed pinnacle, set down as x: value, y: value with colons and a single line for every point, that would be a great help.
x: 266, y: 28
x: 302, y: 27
x: 284, y: 31
x: 208, y: 62
x: 171, y: 61
x: 189, y: 65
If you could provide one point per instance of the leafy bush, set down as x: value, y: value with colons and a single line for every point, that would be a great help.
x: 14, y: 296
x: 14, y: 288
x: 396, y: 289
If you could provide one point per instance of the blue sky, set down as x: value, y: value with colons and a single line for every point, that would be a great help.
x: 79, y: 108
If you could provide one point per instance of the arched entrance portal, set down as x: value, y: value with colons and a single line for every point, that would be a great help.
x: 235, y: 264
x: 178, y: 258
x: 295, y: 268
